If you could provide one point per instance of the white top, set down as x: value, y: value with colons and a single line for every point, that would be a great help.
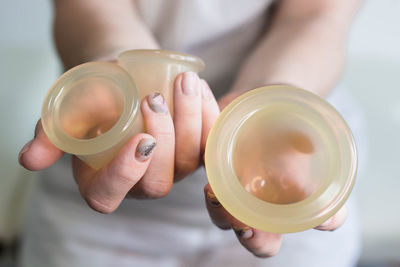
x: 175, y: 230
x: 221, y: 32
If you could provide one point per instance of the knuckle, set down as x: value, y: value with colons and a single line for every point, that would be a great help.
x: 186, y: 166
x: 222, y: 226
x: 166, y: 134
x: 165, y: 138
x: 157, y: 189
x: 189, y: 110
x: 267, y: 251
x: 334, y: 228
x: 274, y: 251
x: 267, y: 254
x: 101, y: 205
x: 125, y: 175
x: 129, y: 179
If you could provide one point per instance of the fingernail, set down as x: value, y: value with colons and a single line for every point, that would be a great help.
x: 26, y: 147
x: 145, y: 148
x: 205, y: 90
x: 212, y: 200
x: 157, y: 103
x: 189, y: 83
x: 243, y: 232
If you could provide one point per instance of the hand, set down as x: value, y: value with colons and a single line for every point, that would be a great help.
x: 147, y: 164
x: 261, y: 244
x: 285, y: 170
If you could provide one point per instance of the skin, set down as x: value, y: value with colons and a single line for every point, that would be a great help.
x: 303, y: 46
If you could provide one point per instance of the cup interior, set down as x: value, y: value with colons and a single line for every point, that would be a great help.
x: 90, y: 107
x: 279, y: 156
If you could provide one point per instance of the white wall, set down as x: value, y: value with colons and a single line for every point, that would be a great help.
x: 376, y: 31
x: 373, y: 76
x: 28, y: 67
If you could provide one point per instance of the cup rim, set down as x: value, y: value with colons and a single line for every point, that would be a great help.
x: 195, y: 62
x: 116, y: 133
x: 277, y: 218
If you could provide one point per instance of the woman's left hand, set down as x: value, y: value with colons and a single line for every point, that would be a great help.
x: 286, y: 162
x: 261, y: 244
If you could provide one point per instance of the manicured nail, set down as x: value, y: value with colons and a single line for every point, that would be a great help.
x: 145, y: 148
x: 212, y: 200
x: 26, y: 147
x: 243, y: 232
x: 205, y: 90
x: 190, y: 83
x: 157, y: 103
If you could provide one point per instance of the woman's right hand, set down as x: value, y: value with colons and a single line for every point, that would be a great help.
x: 149, y: 162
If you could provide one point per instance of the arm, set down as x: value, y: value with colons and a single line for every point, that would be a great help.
x: 304, y: 47
x: 98, y: 29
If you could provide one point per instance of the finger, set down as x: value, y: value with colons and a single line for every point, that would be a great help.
x: 187, y: 121
x: 158, y: 179
x: 105, y: 189
x: 335, y: 221
x: 210, y: 112
x: 228, y: 98
x: 261, y: 244
x: 219, y: 216
x: 39, y: 153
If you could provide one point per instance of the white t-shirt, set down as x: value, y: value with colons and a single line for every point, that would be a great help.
x: 221, y: 32
x: 176, y: 230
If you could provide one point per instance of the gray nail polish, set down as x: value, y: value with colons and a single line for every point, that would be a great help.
x: 145, y: 148
x: 157, y: 103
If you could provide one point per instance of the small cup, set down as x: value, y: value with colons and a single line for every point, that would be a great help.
x: 281, y: 159
x: 93, y: 109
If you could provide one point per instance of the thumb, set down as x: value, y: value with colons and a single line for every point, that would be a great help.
x: 39, y: 153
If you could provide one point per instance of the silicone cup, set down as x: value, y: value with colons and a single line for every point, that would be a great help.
x: 93, y: 109
x: 155, y: 71
x: 337, y: 157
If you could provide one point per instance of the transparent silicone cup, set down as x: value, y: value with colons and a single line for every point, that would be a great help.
x: 155, y: 71
x: 94, y: 151
x: 93, y: 109
x: 339, y: 161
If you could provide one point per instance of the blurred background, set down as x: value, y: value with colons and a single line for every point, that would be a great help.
x: 29, y: 65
